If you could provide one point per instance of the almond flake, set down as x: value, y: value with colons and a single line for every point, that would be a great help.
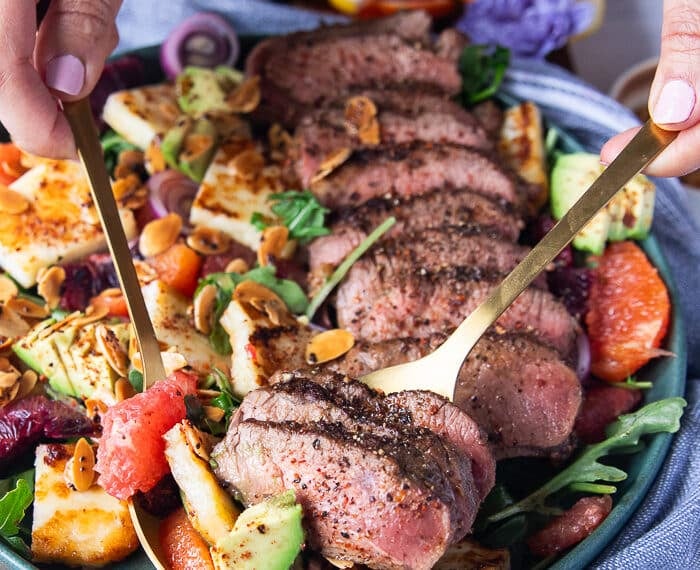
x: 204, y: 304
x: 12, y: 202
x: 49, y: 284
x: 158, y: 235
x: 208, y: 241
x: 80, y: 469
x: 331, y: 162
x: 272, y: 244
x: 329, y: 345
x: 246, y: 97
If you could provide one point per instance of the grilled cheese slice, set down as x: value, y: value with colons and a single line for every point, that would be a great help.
x: 78, y: 528
x: 60, y: 223
x: 140, y: 115
x: 229, y: 196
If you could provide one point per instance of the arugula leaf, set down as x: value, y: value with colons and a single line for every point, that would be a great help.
x: 289, y: 291
x: 631, y: 383
x: 662, y: 416
x: 482, y: 69
x: 345, y: 266
x: 300, y: 211
x: 112, y: 145
x: 13, y: 506
x: 136, y: 380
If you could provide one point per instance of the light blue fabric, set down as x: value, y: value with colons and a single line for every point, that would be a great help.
x: 665, y: 532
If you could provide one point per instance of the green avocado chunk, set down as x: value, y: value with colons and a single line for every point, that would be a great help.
x: 266, y: 536
x: 201, y: 90
x: 627, y: 216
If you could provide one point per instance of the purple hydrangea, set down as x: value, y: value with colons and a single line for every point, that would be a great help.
x: 530, y: 28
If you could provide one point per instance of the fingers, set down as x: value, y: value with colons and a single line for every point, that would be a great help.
x: 27, y: 109
x: 73, y: 42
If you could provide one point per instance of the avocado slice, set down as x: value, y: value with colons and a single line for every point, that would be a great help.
x: 627, y: 216
x: 200, y: 90
x: 267, y: 535
x: 173, y: 140
x: 198, y: 149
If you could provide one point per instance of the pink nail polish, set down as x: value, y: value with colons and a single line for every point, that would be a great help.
x: 65, y: 73
x: 675, y: 103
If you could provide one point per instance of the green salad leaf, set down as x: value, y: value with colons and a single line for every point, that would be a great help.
x: 112, y: 145
x: 289, y: 291
x: 18, y: 496
x: 482, y: 69
x: 299, y: 211
x: 586, y: 473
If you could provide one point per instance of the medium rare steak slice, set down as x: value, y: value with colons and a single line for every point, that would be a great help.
x: 437, y: 209
x: 377, y: 303
x: 323, y: 133
x: 519, y: 391
x: 414, y: 170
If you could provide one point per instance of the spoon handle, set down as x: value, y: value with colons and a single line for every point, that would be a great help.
x: 87, y: 142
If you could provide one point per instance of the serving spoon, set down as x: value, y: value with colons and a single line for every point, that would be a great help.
x: 438, y: 371
x: 89, y: 149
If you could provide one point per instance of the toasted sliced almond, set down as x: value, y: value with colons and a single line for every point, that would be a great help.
x: 109, y: 346
x: 272, y: 244
x: 8, y: 289
x: 123, y: 390
x: 95, y: 409
x: 213, y: 413
x: 80, y: 469
x: 49, y: 285
x: 11, y: 202
x: 263, y: 300
x: 196, y: 441
x: 237, y: 265
x: 27, y: 382
x: 331, y: 162
x: 280, y: 141
x: 8, y: 378
x: 208, y: 241
x: 92, y: 315
x: 11, y: 324
x: 27, y: 308
x: 248, y: 163
x: 204, y: 304
x: 153, y: 157
x: 8, y: 394
x: 145, y: 272
x: 246, y: 97
x: 329, y: 345
x: 129, y: 162
x: 361, y: 119
x: 158, y: 235
x: 173, y: 361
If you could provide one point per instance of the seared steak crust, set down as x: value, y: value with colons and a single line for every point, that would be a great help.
x: 321, y: 134
x: 377, y: 303
x: 413, y: 170
x: 360, y: 465
x: 437, y: 209
x: 517, y: 389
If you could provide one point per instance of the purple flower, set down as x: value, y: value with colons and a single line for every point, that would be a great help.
x: 529, y: 28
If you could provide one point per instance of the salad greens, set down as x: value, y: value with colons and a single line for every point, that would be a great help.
x: 225, y: 401
x: 482, y: 68
x: 112, y: 146
x: 299, y: 211
x: 585, y: 474
x: 18, y: 496
x: 289, y: 291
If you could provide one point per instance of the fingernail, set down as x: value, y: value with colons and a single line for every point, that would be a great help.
x: 675, y: 103
x: 65, y: 73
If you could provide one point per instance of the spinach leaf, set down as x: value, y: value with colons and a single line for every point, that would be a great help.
x: 300, y: 211
x: 112, y: 145
x: 482, y: 69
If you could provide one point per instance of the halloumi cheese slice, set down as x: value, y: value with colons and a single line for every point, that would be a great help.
x: 230, y: 194
x: 60, y: 223
x: 139, y: 115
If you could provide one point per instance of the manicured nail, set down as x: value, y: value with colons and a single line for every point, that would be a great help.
x: 65, y: 73
x: 675, y: 103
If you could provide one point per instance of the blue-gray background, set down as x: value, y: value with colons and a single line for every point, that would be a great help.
x: 665, y: 533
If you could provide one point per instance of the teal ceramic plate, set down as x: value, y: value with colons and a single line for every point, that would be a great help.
x: 668, y: 375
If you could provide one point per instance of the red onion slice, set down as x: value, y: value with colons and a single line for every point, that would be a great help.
x: 171, y: 191
x: 583, y: 362
x: 204, y: 40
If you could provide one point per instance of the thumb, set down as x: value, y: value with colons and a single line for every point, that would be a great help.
x: 74, y: 39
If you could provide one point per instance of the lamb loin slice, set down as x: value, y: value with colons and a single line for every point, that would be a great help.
x: 434, y: 249
x: 324, y: 132
x: 405, y: 171
x: 306, y: 396
x: 377, y: 303
x: 518, y: 390
x: 437, y: 209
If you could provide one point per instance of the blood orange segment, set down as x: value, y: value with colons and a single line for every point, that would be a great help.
x: 131, y: 454
x: 629, y: 312
x: 184, y: 548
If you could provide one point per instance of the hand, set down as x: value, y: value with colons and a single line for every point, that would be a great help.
x: 673, y: 101
x: 63, y: 60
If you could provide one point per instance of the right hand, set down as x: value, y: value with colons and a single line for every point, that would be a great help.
x: 63, y: 60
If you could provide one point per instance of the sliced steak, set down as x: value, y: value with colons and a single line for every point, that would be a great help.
x: 377, y: 303
x: 519, y: 391
x: 437, y: 209
x: 414, y: 170
x: 376, y: 488
x: 321, y: 134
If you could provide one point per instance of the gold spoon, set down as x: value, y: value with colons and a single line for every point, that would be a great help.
x: 87, y: 142
x: 439, y: 370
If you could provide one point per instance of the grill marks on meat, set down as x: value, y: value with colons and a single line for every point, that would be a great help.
x: 518, y: 390
x: 377, y: 303
x: 415, y: 170
x: 324, y: 132
x: 437, y: 209
x: 376, y: 486
x: 301, y: 71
